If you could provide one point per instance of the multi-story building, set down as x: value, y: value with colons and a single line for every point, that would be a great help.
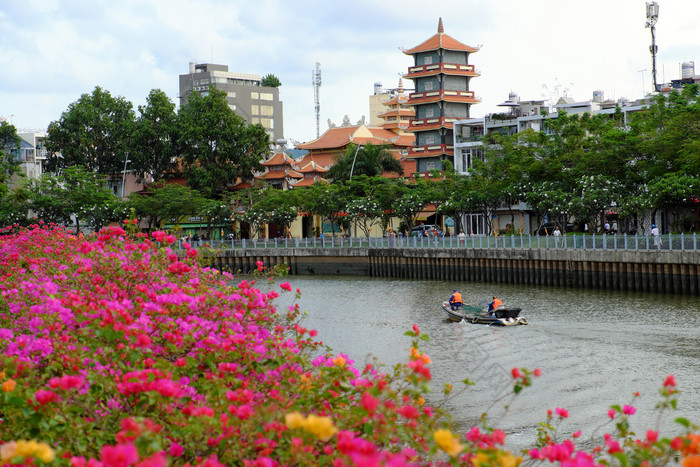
x: 441, y: 74
x: 397, y: 112
x: 244, y: 93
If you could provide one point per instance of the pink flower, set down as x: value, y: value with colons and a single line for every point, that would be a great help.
x: 409, y: 411
x: 286, y: 286
x: 516, y: 373
x: 369, y: 402
x: 416, y: 330
x: 611, y: 413
x: 121, y: 455
x: 670, y: 381
x: 44, y: 397
x: 652, y: 436
x: 537, y: 372
x: 576, y: 434
x: 563, y: 413
x: 176, y: 450
x: 628, y: 410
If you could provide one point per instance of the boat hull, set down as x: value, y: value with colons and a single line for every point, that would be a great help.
x: 477, y: 315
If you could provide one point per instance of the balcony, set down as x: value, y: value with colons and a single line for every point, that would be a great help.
x: 427, y: 97
x: 430, y: 150
x: 432, y: 123
x: 444, y: 68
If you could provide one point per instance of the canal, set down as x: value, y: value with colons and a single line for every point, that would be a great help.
x: 595, y: 348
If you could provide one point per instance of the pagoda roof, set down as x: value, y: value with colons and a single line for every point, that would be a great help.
x: 312, y: 166
x: 396, y: 112
x: 338, y: 138
x: 440, y: 41
x: 399, y: 99
x: 279, y: 158
x: 279, y: 174
x: 310, y: 181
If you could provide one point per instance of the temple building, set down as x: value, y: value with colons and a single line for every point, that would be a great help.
x: 324, y: 150
x: 397, y: 113
x: 441, y: 74
x: 280, y: 172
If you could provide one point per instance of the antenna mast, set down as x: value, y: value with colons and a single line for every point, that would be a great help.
x: 316, y: 81
x: 652, y: 17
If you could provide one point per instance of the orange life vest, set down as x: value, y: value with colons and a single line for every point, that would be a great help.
x: 456, y: 298
x: 496, y: 303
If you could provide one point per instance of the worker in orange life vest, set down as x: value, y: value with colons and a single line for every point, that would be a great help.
x: 493, y: 306
x: 456, y: 300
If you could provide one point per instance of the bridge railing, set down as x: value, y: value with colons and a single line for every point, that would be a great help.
x: 683, y: 242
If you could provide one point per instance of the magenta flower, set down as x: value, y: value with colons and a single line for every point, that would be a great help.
x: 628, y: 410
x: 563, y: 413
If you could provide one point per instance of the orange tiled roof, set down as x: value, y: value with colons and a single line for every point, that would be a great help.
x: 278, y: 159
x: 312, y: 167
x: 337, y: 138
x: 278, y: 174
x: 395, y: 112
x: 400, y: 99
x: 309, y: 181
x: 440, y: 41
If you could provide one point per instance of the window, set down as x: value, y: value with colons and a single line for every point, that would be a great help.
x: 255, y: 120
x: 428, y: 86
x: 429, y: 112
x: 255, y: 95
x: 231, y: 94
x: 266, y: 96
x: 255, y: 109
x: 428, y: 60
x: 268, y: 123
x: 267, y: 110
x: 430, y: 166
x: 233, y: 107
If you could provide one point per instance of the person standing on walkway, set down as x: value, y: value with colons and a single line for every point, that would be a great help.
x: 655, y: 234
x: 556, y: 234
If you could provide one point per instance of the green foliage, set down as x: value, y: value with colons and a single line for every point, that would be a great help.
x: 270, y: 80
x: 216, y: 144
x: 94, y: 132
x: 153, y: 148
x: 9, y: 165
x: 368, y: 159
x: 167, y: 202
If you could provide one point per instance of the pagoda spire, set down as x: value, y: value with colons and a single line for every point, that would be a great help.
x: 441, y: 29
x: 400, y: 85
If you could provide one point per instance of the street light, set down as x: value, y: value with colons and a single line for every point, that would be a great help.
x: 354, y: 159
x: 124, y: 175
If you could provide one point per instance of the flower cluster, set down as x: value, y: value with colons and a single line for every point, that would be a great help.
x: 116, y: 350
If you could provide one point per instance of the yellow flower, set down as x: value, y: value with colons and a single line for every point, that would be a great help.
x: 7, y: 450
x: 339, y: 361
x: 9, y: 385
x: 294, y: 420
x: 447, y: 442
x: 481, y: 459
x: 26, y: 448
x: 420, y: 400
x: 320, y: 427
x: 45, y: 453
x: 507, y: 459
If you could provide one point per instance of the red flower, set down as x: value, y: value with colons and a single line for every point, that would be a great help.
x: 369, y: 402
x: 670, y: 382
x: 409, y: 411
x: 516, y: 373
x: 286, y: 286
x: 416, y: 330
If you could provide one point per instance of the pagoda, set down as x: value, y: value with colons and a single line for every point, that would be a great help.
x: 399, y: 113
x: 441, y: 74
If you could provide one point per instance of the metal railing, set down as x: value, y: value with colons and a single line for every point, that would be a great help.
x: 666, y: 242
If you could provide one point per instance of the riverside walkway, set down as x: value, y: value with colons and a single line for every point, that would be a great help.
x: 613, y: 262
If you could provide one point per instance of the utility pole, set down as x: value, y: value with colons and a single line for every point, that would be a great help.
x: 652, y: 17
x: 316, y: 81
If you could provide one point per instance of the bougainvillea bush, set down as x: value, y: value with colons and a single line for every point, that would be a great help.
x: 117, y: 351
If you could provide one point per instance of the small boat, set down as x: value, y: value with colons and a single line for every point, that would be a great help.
x: 478, y: 315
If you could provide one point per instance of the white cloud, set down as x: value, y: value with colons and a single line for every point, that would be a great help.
x: 53, y: 51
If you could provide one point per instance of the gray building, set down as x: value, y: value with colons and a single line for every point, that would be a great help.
x: 253, y: 102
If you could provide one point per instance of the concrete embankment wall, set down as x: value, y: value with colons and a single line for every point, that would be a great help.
x: 676, y: 272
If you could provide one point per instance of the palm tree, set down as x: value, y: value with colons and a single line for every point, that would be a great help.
x: 371, y: 160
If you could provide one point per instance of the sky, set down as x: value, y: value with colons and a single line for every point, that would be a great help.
x: 53, y: 51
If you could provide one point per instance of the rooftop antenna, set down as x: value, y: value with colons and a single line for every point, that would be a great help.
x: 652, y: 17
x: 316, y: 81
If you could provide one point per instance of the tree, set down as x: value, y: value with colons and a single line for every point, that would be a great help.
x: 327, y: 201
x: 216, y: 145
x: 9, y: 165
x: 153, y: 148
x: 166, y: 202
x: 76, y: 193
x: 93, y: 132
x: 370, y: 159
x: 270, y: 80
